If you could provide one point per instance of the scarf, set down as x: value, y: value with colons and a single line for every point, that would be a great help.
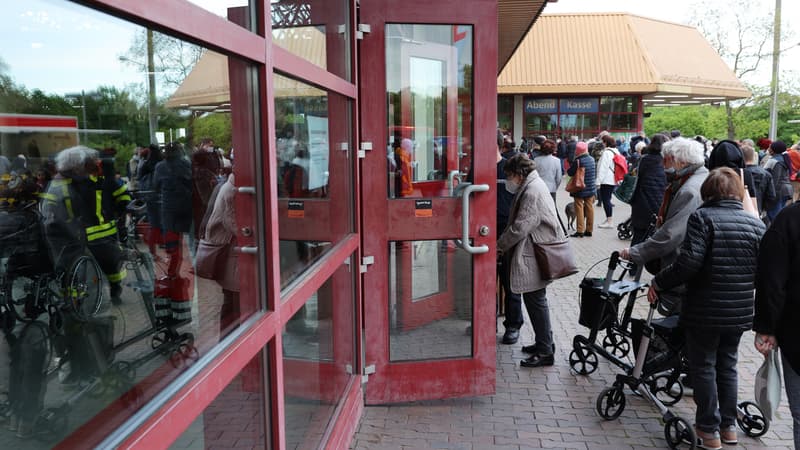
x: 682, y: 176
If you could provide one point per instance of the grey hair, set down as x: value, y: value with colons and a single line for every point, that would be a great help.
x: 73, y: 160
x: 640, y: 146
x: 684, y: 151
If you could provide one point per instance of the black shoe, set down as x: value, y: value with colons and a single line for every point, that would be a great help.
x: 511, y: 336
x: 576, y: 234
x: 116, y: 292
x: 538, y: 361
x: 536, y: 350
x: 588, y: 234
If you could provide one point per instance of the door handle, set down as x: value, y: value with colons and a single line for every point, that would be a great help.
x: 465, y: 194
x: 246, y: 250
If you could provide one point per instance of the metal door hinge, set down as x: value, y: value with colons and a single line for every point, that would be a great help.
x: 366, y: 261
x: 364, y: 148
x: 369, y: 370
x: 363, y: 29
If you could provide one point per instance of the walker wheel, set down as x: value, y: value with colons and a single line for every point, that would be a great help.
x: 611, y: 402
x: 751, y: 419
x: 667, y: 390
x: 616, y: 344
x: 582, y: 359
x: 678, y: 432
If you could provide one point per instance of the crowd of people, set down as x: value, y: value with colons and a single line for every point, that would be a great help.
x: 713, y: 221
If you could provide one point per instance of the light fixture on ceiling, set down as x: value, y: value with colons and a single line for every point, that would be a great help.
x: 671, y: 96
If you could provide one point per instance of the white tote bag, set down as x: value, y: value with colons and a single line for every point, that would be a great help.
x: 768, y: 384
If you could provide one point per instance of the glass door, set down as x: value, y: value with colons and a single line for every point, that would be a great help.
x: 429, y: 114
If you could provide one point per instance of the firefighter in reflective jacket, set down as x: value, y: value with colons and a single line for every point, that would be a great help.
x: 80, y: 208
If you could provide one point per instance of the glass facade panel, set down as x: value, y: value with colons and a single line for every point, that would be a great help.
x: 430, y: 300
x: 238, y: 11
x: 318, y: 348
x: 619, y: 122
x: 235, y: 419
x: 315, y: 182
x: 540, y: 124
x: 582, y: 125
x: 429, y: 103
x: 619, y: 104
x: 112, y: 171
x: 315, y: 30
x: 505, y: 113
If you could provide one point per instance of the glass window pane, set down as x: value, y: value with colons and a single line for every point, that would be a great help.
x: 430, y: 300
x: 238, y: 11
x: 112, y: 169
x: 317, y: 31
x: 315, y: 182
x: 429, y: 102
x: 618, y: 122
x: 235, y: 419
x: 582, y: 125
x: 318, y: 347
x: 619, y: 104
x: 540, y: 124
x: 505, y: 113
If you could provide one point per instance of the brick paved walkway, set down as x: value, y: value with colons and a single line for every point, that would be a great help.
x: 550, y: 407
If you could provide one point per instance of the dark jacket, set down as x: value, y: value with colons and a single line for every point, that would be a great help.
x: 650, y: 185
x: 717, y: 262
x: 173, y: 182
x: 778, y: 286
x: 504, y: 198
x: 571, y: 150
x: 763, y: 186
x: 780, y: 176
x: 589, y: 177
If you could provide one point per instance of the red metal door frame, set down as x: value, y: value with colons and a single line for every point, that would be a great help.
x: 389, y: 220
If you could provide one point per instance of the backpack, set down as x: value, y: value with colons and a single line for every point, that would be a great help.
x: 620, y: 167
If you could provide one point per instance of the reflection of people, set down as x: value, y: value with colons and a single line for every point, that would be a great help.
x: 533, y: 219
x: 717, y: 264
x: 777, y: 310
x: 80, y: 207
x: 173, y: 183
x: 146, y: 174
x: 404, y: 176
x: 295, y: 179
x: 206, y: 167
x: 221, y: 230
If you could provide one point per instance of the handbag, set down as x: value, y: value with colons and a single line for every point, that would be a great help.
x: 211, y: 259
x: 576, y: 183
x: 626, y: 188
x: 555, y: 260
x: 768, y: 384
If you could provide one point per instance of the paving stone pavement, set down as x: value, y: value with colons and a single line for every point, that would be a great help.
x: 552, y: 407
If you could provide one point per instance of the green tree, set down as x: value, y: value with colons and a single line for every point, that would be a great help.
x: 217, y: 126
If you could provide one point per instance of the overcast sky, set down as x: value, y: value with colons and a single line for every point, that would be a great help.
x: 61, y: 47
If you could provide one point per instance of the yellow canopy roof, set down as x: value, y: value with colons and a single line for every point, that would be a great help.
x: 617, y: 53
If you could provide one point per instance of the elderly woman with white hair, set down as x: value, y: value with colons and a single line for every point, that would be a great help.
x: 685, y: 171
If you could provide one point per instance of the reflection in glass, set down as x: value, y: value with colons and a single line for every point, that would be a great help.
x: 621, y: 122
x: 619, y: 104
x: 314, y: 31
x: 238, y: 11
x: 315, y: 183
x: 505, y: 113
x: 101, y: 300
x: 235, y: 419
x: 540, y: 123
x: 430, y: 300
x: 318, y: 351
x: 429, y: 102
x: 580, y: 123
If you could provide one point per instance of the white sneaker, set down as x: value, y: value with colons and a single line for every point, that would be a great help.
x: 606, y: 225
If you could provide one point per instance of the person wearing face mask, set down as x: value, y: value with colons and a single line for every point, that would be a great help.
x: 533, y: 219
x: 685, y: 171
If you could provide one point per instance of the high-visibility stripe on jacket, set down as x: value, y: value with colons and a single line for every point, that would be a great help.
x: 96, y: 226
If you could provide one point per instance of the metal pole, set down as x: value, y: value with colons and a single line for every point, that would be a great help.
x: 776, y: 57
x: 152, y: 119
x: 83, y: 107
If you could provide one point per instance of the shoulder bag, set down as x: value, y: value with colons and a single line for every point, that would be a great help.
x: 625, y: 190
x: 555, y: 260
x: 576, y: 183
x: 211, y: 259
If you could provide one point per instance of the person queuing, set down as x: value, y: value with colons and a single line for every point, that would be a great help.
x: 685, y: 173
x: 512, y: 301
x: 584, y: 200
x: 532, y: 220
x: 605, y: 178
x: 549, y: 167
x: 717, y: 264
x: 780, y: 167
x: 777, y: 306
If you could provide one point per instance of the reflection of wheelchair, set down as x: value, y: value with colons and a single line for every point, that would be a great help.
x: 31, y: 284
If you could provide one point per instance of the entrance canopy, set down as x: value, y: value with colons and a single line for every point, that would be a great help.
x: 617, y: 53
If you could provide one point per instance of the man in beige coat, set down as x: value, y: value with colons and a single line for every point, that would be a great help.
x: 533, y: 219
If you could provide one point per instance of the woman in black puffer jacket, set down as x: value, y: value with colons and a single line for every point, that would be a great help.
x: 717, y: 262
